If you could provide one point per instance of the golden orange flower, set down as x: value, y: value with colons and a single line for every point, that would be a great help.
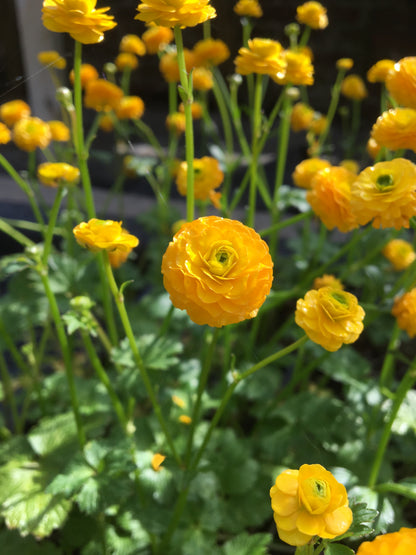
x: 248, y: 8
x: 196, y: 109
x: 53, y: 174
x: 169, y: 68
x: 208, y: 176
x: 305, y: 170
x: 185, y: 419
x: 118, y: 257
x: 309, y: 502
x: 402, y: 542
x: 157, y: 461
x: 396, y: 129
x: 14, y: 110
x: 60, y: 132
x: 401, y: 82
x: 330, y: 195
x: 202, y: 79
x: 330, y: 317
x: 126, y: 60
x: 327, y: 280
x: 299, y: 69
x: 133, y: 45
x: 400, y: 253
x: 262, y: 56
x: 301, y: 117
x: 379, y: 71
x: 156, y: 38
x: 176, y: 122
x: 5, y: 134
x: 130, y: 107
x: 218, y: 270
x: 312, y: 14
x: 102, y: 95
x: 211, y: 52
x: 31, y: 133
x: 318, y: 124
x: 345, y: 63
x: 51, y: 58
x: 107, y: 235
x: 404, y: 310
x: 79, y: 18
x: 373, y: 148
x: 87, y: 73
x: 353, y: 87
x: 385, y: 194
x: 170, y: 13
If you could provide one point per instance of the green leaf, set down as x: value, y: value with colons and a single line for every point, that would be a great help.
x: 363, y: 516
x: 158, y: 353
x: 53, y: 433
x: 11, y: 543
x: 245, y: 544
x: 71, y: 480
x: 291, y: 197
x: 404, y: 488
x: 338, y: 549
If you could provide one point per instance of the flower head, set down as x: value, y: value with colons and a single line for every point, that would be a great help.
x: 330, y: 195
x: 330, y: 317
x: 31, y: 133
x: 312, y: 14
x: 107, y: 235
x: 102, y: 95
x: 402, y: 542
x: 373, y: 148
x: 379, y: 71
x: 385, y: 194
x: 396, y: 129
x: 203, y: 79
x: 404, y: 310
x: 248, y: 8
x: 14, y: 110
x: 79, y: 18
x: 218, y: 270
x: 51, y: 58
x: 118, y: 256
x: 133, y: 45
x: 261, y: 56
x: 327, y: 280
x: 299, y: 69
x: 350, y: 165
x: 130, y: 107
x: 196, y: 110
x: 301, y: 117
x: 157, y: 461
x: 211, y: 52
x: 309, y: 502
x: 345, y: 63
x: 170, y: 13
x: 176, y: 122
x: 87, y: 73
x: 156, y: 38
x: 53, y: 174
x: 208, y: 176
x: 60, y: 132
x: 169, y: 67
x: 5, y: 134
x: 354, y: 87
x: 305, y: 170
x: 400, y: 253
x: 126, y: 60
x: 401, y: 82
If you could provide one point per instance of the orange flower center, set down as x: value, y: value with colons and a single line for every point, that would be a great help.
x: 222, y: 258
x: 315, y: 495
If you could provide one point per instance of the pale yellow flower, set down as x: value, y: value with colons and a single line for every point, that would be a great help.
x: 53, y: 174
x: 312, y: 14
x: 261, y: 56
x: 400, y: 253
x: 51, y: 58
x: 353, y: 87
x: 31, y: 133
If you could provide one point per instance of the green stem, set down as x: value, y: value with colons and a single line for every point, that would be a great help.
x: 285, y: 223
x: 9, y: 393
x: 256, y: 129
x: 16, y: 235
x: 335, y: 93
x: 53, y: 216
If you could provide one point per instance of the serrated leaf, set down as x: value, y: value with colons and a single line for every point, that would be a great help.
x: 71, y: 480
x: 52, y: 433
x: 245, y: 544
x: 338, y: 549
x: 88, y: 497
x: 158, y: 353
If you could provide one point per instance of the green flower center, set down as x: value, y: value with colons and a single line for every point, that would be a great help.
x: 384, y: 181
x: 315, y: 494
x: 222, y: 258
x: 339, y: 297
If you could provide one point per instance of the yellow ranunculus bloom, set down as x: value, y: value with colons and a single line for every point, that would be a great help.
x: 211, y: 52
x: 299, y: 69
x: 379, y: 71
x: 54, y: 173
x: 133, y: 45
x: 107, y: 235
x: 301, y: 117
x: 170, y: 13
x: 396, y: 129
x: 79, y: 18
x: 169, y: 68
x: 312, y: 14
x: 402, y: 542
x: 118, y: 256
x: 60, y: 131
x: 404, y: 310
x: 52, y: 58
x: 248, y: 8
x: 87, y: 73
x: 327, y: 280
x: 31, y: 133
x: 5, y: 134
x: 345, y: 63
x: 354, y: 87
x: 305, y: 170
x: 262, y: 56
x: 176, y: 122
x: 156, y: 38
x: 202, y: 79
x: 208, y: 176
x: 106, y: 122
x: 196, y: 109
x: 102, y: 95
x: 330, y: 195
x: 130, y: 107
x: 330, y: 317
x: 126, y: 60
x: 373, y: 148
x: 218, y: 270
x: 401, y: 82
x: 157, y: 461
x: 185, y: 419
x: 14, y: 110
x: 309, y: 502
x: 400, y: 253
x: 385, y: 194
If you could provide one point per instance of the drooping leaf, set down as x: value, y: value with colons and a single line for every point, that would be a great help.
x: 245, y: 544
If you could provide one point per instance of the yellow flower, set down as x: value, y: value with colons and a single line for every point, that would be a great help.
x: 402, y: 542
x: 196, y: 110
x: 126, y: 60
x: 14, y: 110
x: 327, y: 280
x: 218, y: 270
x: 330, y: 317
x: 102, y: 95
x: 248, y: 8
x: 178, y: 401
x: 401, y: 82
x: 169, y: 68
x: 79, y: 18
x: 373, y: 148
x: 185, y: 419
x: 106, y: 122
x: 87, y: 73
x: 203, y: 79
x: 156, y: 38
x: 157, y: 461
x: 305, y: 170
x: 53, y: 174
x: 176, y: 122
x: 262, y: 56
x: 215, y: 198
x: 31, y: 133
x: 299, y: 69
x: 130, y: 107
x: 51, y: 58
x: 60, y: 131
x: 400, y: 253
x: 385, y: 194
x: 350, y: 165
x: 345, y: 63
x: 5, y: 134
x: 301, y: 117
x: 353, y: 87
x: 379, y: 71
x: 170, y: 13
x: 108, y: 235
x: 396, y: 129
x: 208, y: 176
x: 318, y: 124
x: 312, y: 14
x: 309, y: 502
x: 404, y: 310
x: 211, y: 52
x: 133, y: 45
x: 330, y: 195
x: 118, y: 257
